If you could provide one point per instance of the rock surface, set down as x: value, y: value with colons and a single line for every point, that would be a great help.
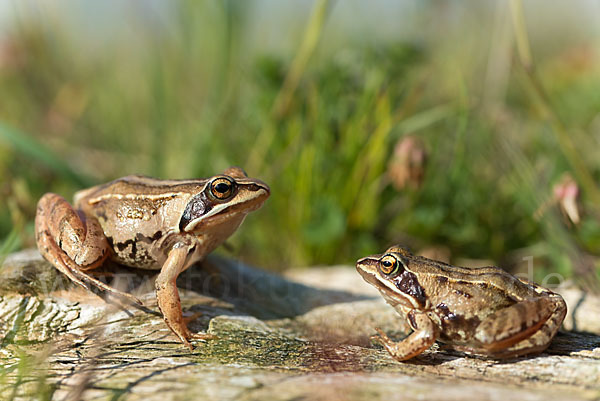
x: 305, y: 336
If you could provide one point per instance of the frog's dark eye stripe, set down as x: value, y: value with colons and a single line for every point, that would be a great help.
x: 388, y: 264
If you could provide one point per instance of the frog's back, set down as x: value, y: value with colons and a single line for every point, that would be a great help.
x: 464, y: 297
x: 481, y: 280
x: 137, y: 204
x: 139, y: 185
x: 135, y: 212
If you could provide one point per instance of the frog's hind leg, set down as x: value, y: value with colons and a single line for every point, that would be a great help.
x: 523, y: 328
x: 540, y: 340
x: 72, y: 243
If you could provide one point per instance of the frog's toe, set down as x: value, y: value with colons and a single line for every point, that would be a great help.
x: 188, y: 344
x: 202, y: 336
x: 380, y: 337
x: 197, y: 337
x: 375, y: 338
x: 381, y: 334
x: 191, y: 318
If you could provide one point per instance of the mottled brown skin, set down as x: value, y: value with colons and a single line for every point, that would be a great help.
x: 146, y: 223
x: 482, y: 311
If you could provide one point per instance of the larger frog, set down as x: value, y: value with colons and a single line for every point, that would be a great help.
x: 146, y: 223
x: 482, y: 311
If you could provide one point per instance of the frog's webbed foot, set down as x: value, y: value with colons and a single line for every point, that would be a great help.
x: 197, y: 336
x: 424, y: 335
x: 185, y: 336
x: 200, y: 337
x: 384, y: 340
x: 72, y: 243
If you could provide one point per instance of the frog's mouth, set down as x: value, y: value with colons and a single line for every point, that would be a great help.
x: 368, y: 269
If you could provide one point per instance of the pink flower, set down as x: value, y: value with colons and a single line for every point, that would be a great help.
x: 566, y: 192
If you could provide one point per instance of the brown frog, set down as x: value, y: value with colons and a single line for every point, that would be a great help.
x: 482, y: 311
x: 142, y: 222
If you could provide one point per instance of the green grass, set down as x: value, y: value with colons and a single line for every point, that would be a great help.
x: 26, y: 378
x: 318, y: 121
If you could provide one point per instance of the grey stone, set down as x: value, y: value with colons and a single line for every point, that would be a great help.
x: 276, y: 339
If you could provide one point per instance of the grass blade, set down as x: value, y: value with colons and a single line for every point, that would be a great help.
x: 34, y: 150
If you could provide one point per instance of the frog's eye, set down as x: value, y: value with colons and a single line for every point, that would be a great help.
x: 388, y: 264
x: 221, y: 188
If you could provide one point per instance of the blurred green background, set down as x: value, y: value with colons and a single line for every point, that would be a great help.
x: 467, y: 130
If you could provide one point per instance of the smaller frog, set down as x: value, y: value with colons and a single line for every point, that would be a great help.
x: 142, y: 222
x: 481, y: 311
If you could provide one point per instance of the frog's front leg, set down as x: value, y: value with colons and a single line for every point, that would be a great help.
x: 424, y: 335
x: 523, y: 328
x: 167, y: 294
x: 72, y: 242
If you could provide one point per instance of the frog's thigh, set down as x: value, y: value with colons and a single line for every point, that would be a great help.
x: 70, y: 244
x: 509, y: 326
x: 79, y: 238
x: 424, y: 335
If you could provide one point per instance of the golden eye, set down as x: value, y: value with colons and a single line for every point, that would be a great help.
x: 388, y: 264
x: 221, y: 188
